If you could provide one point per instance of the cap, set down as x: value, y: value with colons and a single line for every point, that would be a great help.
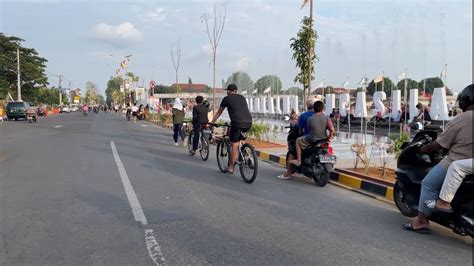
x: 232, y: 87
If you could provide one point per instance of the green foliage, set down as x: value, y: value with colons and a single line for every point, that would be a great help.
x: 112, y: 90
x: 305, y: 37
x: 398, y: 142
x: 32, y: 69
x: 387, y: 86
x: 268, y: 81
x: 257, y: 130
x: 241, y: 79
x: 166, y: 118
x: 411, y: 84
x: 91, y: 93
x: 430, y: 84
x: 164, y: 89
x: 294, y: 91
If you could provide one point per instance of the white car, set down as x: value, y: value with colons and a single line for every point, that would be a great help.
x: 74, y: 108
x: 65, y: 109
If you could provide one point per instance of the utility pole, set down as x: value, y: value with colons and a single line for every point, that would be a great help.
x: 310, y: 52
x: 18, y: 74
x: 60, y: 76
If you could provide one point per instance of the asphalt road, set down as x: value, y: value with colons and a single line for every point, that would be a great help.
x: 67, y: 199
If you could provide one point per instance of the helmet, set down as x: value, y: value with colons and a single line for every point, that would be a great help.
x: 206, y: 104
x: 311, y: 100
x: 466, y: 97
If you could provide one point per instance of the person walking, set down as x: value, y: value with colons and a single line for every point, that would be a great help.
x: 178, y: 112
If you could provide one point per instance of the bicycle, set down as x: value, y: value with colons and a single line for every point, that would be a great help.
x: 203, y: 145
x: 247, y: 159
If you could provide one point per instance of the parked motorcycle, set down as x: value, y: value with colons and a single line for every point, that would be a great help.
x: 317, y: 161
x: 412, y: 167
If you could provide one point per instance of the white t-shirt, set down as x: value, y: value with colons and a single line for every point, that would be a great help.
x: 134, y: 109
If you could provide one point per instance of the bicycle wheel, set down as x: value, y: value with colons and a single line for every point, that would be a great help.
x: 222, y: 154
x: 190, y: 141
x: 204, y: 151
x: 248, y: 163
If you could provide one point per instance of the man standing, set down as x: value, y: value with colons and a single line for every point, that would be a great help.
x: 240, y: 120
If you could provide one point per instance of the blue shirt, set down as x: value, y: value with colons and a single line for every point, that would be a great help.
x: 302, y: 121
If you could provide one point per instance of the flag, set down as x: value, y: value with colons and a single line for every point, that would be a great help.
x: 402, y: 76
x: 345, y: 84
x: 267, y: 90
x: 122, y: 65
x: 304, y: 3
x: 244, y: 92
x: 443, y: 72
x: 364, y: 82
x: 254, y: 91
x: 117, y: 72
x: 378, y: 79
x: 321, y: 84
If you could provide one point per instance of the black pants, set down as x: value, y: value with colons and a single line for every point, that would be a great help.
x: 197, y: 133
x: 178, y: 131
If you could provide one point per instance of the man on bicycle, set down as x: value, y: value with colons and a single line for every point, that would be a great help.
x: 199, y: 119
x: 240, y: 120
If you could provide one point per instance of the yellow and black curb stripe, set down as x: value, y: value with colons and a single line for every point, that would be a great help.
x: 341, y: 178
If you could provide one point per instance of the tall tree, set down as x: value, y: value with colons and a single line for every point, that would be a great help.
x: 32, y: 68
x: 176, y: 59
x: 295, y: 91
x: 241, y: 79
x: 431, y: 84
x: 268, y: 81
x: 411, y: 84
x: 305, y: 38
x: 91, y: 93
x: 388, y: 86
x: 113, y: 86
x: 214, y: 36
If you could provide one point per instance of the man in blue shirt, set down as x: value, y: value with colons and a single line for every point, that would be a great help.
x: 303, y: 131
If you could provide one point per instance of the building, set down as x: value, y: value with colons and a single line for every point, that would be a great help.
x: 195, y: 88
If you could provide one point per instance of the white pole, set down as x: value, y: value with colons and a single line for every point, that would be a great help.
x: 445, y: 72
x: 18, y: 74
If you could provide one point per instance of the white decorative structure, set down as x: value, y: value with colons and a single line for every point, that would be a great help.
x: 277, y: 106
x: 263, y: 105
x: 330, y: 103
x: 286, y: 104
x: 396, y: 101
x: 250, y: 104
x: 439, y: 105
x: 378, y: 98
x: 413, y: 102
x: 294, y: 103
x: 257, y: 105
x: 271, y: 107
x: 361, y: 105
x: 344, y: 102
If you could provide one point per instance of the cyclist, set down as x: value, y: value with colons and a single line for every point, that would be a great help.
x: 240, y: 120
x: 199, y: 119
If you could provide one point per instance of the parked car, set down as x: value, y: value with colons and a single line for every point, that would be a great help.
x: 74, y: 108
x: 64, y: 109
x: 17, y: 110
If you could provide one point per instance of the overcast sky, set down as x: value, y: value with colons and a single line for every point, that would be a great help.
x: 355, y: 38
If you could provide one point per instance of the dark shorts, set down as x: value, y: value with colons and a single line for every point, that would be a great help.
x: 236, y: 129
x: 134, y: 113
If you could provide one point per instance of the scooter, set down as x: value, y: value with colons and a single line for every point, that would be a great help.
x: 317, y: 161
x: 412, y: 167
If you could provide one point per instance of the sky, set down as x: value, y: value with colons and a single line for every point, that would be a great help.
x: 86, y: 40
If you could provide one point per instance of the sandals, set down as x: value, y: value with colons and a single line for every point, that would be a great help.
x: 423, y: 230
x: 431, y: 204
x: 228, y: 171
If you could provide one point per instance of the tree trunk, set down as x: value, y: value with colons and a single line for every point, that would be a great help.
x: 214, y: 81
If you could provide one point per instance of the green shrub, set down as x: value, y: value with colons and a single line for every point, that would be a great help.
x: 258, y: 130
x: 399, y: 140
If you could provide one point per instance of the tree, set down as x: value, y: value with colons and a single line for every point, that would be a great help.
x: 268, y: 81
x: 32, y: 69
x: 388, y: 86
x: 411, y: 84
x: 91, y: 93
x: 113, y: 85
x: 305, y: 38
x: 241, y: 79
x: 176, y: 59
x: 294, y: 91
x: 214, y: 38
x: 431, y: 84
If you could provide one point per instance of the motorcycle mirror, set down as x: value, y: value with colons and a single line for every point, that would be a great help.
x: 287, y: 118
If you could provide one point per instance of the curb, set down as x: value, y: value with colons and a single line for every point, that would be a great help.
x: 340, y: 178
x: 371, y: 189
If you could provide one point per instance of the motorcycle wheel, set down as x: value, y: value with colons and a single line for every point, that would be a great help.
x: 401, y: 202
x: 322, y: 179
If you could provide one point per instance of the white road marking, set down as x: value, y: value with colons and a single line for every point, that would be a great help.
x: 143, y: 125
x: 154, y: 249
x: 58, y: 126
x: 132, y: 197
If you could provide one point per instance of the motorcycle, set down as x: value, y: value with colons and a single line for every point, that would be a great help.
x: 128, y: 114
x: 31, y: 115
x: 412, y: 167
x: 317, y: 161
x: 96, y: 110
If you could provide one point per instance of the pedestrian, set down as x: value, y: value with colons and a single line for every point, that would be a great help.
x: 178, y: 112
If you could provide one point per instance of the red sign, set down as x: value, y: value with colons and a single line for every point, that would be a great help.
x: 152, y: 84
